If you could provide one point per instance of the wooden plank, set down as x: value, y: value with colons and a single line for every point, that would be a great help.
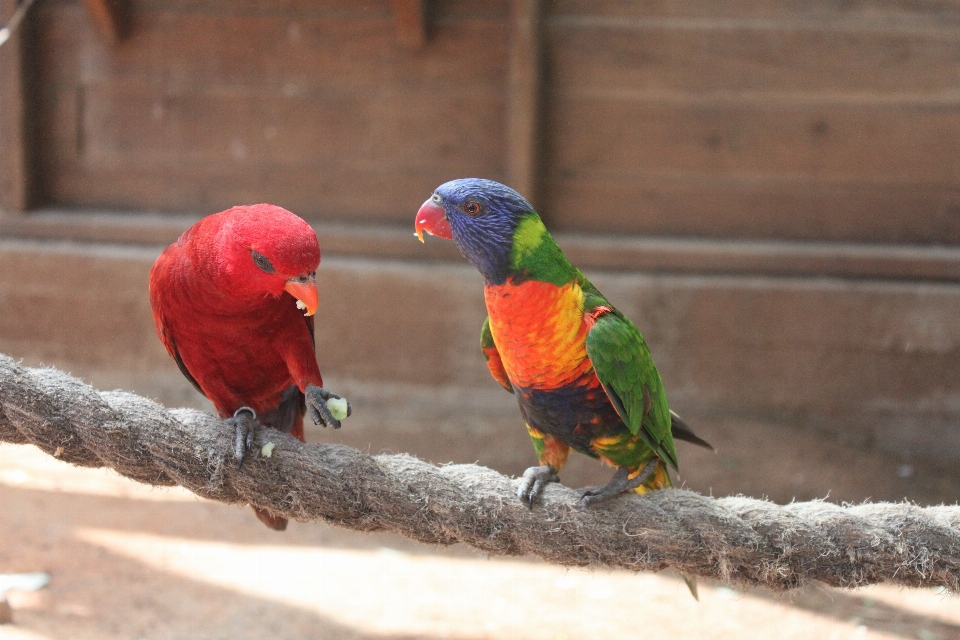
x: 331, y: 191
x: 190, y: 116
x: 410, y: 21
x: 126, y: 122
x: 668, y: 58
x: 109, y: 18
x: 350, y: 9
x: 705, y: 205
x: 15, y: 177
x: 628, y: 136
x: 760, y: 13
x: 587, y: 251
x: 523, y: 99
x: 193, y: 51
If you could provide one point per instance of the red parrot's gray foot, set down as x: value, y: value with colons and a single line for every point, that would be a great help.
x: 620, y: 483
x: 245, y: 424
x: 316, y: 398
x: 534, y: 481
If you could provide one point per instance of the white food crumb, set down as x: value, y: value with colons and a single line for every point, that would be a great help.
x: 267, y: 450
x: 300, y: 305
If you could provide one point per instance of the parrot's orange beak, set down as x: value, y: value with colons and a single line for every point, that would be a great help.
x: 304, y: 289
x: 432, y: 219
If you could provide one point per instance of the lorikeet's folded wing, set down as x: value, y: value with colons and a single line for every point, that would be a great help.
x: 623, y: 364
x: 494, y: 362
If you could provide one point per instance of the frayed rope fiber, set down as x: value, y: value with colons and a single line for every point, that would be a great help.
x: 735, y: 540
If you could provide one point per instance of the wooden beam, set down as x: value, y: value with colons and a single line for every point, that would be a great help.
x: 410, y: 19
x: 108, y: 16
x: 523, y: 99
x: 14, y: 150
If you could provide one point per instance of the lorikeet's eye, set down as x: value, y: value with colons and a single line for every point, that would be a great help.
x: 472, y: 208
x: 263, y: 262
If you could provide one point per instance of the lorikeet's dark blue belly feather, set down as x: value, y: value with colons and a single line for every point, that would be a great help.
x: 576, y: 413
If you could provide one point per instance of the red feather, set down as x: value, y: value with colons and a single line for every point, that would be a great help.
x: 229, y: 324
x: 239, y: 336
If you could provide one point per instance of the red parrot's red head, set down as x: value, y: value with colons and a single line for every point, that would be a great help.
x: 257, y: 250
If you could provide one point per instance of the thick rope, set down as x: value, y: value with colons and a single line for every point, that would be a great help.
x: 735, y: 539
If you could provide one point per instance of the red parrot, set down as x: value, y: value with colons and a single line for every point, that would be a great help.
x: 228, y: 299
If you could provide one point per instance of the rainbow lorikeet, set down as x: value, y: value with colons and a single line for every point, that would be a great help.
x: 228, y: 299
x: 580, y: 370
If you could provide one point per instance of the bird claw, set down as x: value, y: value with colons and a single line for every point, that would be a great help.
x: 245, y: 424
x: 317, y: 406
x: 620, y: 483
x: 595, y: 495
x: 534, y: 481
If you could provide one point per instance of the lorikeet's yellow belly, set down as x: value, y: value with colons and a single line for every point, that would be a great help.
x: 540, y: 332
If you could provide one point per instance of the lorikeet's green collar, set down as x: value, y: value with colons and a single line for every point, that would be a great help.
x: 535, y: 256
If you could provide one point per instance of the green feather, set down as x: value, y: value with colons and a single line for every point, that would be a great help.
x: 625, y: 368
x: 615, y: 347
x: 535, y: 256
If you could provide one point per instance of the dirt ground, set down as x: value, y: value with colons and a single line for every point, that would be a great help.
x: 128, y: 561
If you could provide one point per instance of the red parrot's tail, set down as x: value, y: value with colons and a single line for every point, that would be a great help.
x: 287, y: 417
x: 277, y: 523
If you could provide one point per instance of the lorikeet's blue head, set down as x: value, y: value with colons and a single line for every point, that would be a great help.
x: 481, y: 216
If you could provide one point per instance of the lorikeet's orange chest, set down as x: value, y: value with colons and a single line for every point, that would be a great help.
x: 540, y: 332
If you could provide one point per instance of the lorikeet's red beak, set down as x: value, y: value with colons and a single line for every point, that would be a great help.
x: 305, y: 291
x: 432, y: 219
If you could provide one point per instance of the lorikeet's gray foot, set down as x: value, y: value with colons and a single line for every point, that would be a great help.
x: 620, y: 483
x: 245, y: 423
x: 317, y: 405
x: 534, y: 481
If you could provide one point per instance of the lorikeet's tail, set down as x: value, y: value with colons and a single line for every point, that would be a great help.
x: 661, y: 480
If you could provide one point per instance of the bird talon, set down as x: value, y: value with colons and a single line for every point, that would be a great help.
x: 534, y: 481
x: 321, y: 409
x: 592, y: 496
x: 620, y: 483
x: 245, y: 424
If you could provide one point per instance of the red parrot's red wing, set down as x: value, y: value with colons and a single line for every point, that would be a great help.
x: 171, y: 346
x: 309, y: 320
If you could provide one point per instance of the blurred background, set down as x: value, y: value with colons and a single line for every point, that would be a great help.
x: 770, y: 190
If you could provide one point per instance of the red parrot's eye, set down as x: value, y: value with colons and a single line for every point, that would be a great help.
x: 472, y: 208
x: 263, y: 262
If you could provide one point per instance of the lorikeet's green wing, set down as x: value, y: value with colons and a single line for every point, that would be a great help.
x: 622, y: 361
x: 494, y: 362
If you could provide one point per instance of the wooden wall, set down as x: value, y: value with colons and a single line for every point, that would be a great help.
x: 805, y: 119
x: 761, y: 142
x: 809, y: 120
x: 312, y: 105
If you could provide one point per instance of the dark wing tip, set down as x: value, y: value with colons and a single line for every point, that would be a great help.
x: 682, y: 431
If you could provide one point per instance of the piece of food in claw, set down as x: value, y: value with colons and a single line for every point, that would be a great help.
x: 338, y: 408
x: 267, y: 450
